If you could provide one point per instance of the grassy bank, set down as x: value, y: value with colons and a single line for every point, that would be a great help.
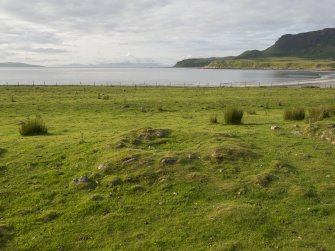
x: 126, y: 168
x: 274, y: 63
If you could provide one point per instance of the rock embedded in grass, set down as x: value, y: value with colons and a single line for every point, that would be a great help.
x: 275, y: 127
x: 296, y: 133
x: 168, y: 161
x: 102, y: 167
x: 129, y: 160
x: 82, y: 180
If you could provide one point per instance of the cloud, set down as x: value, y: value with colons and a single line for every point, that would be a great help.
x: 163, y: 31
x: 43, y: 50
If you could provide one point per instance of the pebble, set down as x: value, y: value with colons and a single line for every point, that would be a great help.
x: 83, y: 179
x: 168, y: 161
x: 296, y: 133
x: 275, y: 127
x: 102, y: 166
x: 128, y: 161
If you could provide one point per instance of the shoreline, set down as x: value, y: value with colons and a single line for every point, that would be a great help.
x: 257, y: 69
x: 326, y: 83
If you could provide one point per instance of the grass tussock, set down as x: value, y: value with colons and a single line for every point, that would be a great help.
x: 32, y: 127
x: 319, y: 113
x: 213, y: 119
x: 233, y: 116
x: 296, y: 113
x: 263, y: 179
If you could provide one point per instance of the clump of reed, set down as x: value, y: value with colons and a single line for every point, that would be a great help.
x: 34, y: 126
x: 233, y: 116
x: 319, y: 113
x: 296, y: 113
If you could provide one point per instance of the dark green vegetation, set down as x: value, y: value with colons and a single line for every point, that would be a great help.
x: 147, y: 170
x: 199, y: 62
x: 310, y: 50
x: 275, y: 64
x: 320, y: 113
x: 296, y: 113
x: 312, y: 45
x: 33, y: 126
x: 233, y: 116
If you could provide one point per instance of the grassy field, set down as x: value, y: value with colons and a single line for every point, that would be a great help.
x: 275, y: 63
x: 162, y: 174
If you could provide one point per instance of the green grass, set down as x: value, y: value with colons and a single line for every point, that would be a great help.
x: 168, y: 178
x: 275, y: 63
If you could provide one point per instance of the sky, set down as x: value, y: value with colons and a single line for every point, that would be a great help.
x: 58, y: 32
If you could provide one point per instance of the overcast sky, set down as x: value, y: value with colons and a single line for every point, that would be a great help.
x: 53, y: 32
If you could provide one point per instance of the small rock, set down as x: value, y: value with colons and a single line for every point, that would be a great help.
x: 296, y: 126
x: 331, y: 126
x: 296, y: 133
x: 102, y: 166
x: 162, y: 133
x: 333, y: 143
x: 150, y: 130
x: 275, y: 127
x: 322, y: 137
x: 128, y: 161
x: 168, y: 161
x: 83, y: 179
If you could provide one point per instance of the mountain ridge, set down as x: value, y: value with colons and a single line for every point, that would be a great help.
x: 311, y: 45
x: 17, y: 64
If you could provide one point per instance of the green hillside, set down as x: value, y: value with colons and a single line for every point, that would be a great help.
x: 313, y: 45
x: 275, y: 64
x: 199, y: 62
x: 310, y: 50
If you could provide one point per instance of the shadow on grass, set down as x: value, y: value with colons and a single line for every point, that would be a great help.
x: 5, y: 235
x: 2, y: 151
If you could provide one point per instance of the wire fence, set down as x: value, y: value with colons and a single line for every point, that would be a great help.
x: 302, y: 83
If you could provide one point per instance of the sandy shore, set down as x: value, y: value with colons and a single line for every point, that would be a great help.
x: 322, y: 83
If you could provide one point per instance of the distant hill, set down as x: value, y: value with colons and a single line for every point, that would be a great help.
x: 309, y: 45
x: 10, y: 64
x: 114, y: 65
x: 199, y: 62
x: 312, y: 45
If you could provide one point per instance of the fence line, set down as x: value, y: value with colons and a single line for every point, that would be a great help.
x: 320, y: 83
